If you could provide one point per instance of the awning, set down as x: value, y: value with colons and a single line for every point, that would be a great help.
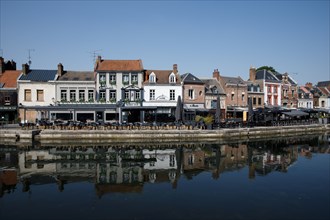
x: 295, y: 113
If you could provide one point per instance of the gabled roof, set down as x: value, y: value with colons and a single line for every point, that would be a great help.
x: 39, y: 75
x: 212, y: 87
x: 323, y: 84
x: 290, y: 79
x: 162, y: 76
x: 268, y: 76
x: 304, y: 89
x: 77, y: 76
x: 9, y: 78
x: 324, y: 91
x: 189, y: 78
x: 232, y: 80
x: 119, y: 65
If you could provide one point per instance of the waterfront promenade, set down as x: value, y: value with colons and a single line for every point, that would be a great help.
x: 154, y: 134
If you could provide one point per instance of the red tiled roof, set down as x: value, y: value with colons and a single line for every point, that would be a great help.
x: 119, y: 65
x: 9, y: 78
x: 324, y: 90
x: 162, y: 76
x: 303, y: 88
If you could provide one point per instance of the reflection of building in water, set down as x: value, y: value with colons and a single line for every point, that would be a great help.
x: 235, y: 156
x: 8, y: 169
x: 264, y: 161
x: 8, y: 180
x: 162, y: 165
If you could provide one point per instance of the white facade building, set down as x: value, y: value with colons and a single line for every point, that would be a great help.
x: 161, y: 90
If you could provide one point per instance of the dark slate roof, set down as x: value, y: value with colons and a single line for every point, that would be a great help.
x: 212, y: 86
x: 268, y: 76
x: 189, y: 78
x: 254, y: 87
x: 290, y: 80
x: 323, y: 84
x: 233, y: 80
x: 39, y: 75
x: 76, y: 76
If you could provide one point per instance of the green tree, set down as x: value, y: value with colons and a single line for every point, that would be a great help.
x: 270, y: 68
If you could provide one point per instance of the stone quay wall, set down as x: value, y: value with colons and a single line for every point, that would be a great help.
x: 159, y: 135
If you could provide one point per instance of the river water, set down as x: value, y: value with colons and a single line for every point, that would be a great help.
x: 265, y: 179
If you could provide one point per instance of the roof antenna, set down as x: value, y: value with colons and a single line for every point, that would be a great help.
x: 94, y: 54
x: 29, y: 51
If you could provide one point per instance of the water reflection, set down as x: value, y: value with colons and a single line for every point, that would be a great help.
x: 126, y: 168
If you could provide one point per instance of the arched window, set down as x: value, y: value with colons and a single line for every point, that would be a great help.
x: 152, y: 78
x: 172, y: 78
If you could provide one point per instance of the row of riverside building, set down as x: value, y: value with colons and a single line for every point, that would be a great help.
x: 124, y: 91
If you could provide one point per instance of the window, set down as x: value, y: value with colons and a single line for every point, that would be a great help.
x: 254, y: 101
x: 112, y: 95
x: 72, y: 95
x: 191, y: 94
x: 275, y: 89
x: 152, y: 94
x: 7, y: 100
x: 134, y: 78
x: 232, y: 97
x: 90, y: 95
x: 243, y: 97
x: 292, y: 92
x: 172, y: 78
x: 125, y: 79
x: 126, y: 94
x: 172, y: 160
x: 190, y: 159
x: 259, y: 101
x: 82, y: 95
x: 172, y: 94
x: 102, y: 96
x: 27, y: 95
x: 152, y: 78
x: 102, y: 79
x: 40, y: 95
x: 269, y: 89
x: 63, y: 95
x: 137, y: 95
x: 112, y: 79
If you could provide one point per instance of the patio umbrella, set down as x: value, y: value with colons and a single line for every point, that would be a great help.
x: 250, y: 111
x: 178, y: 110
x: 217, y: 111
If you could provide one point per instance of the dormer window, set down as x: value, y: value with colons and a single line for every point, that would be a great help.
x: 172, y: 78
x: 152, y: 78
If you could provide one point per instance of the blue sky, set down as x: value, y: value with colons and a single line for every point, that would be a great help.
x: 199, y: 36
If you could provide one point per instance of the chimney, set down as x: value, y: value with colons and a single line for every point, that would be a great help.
x: 60, y: 69
x: 253, y: 73
x: 25, y: 69
x: 97, y: 62
x: 2, y: 65
x: 309, y: 85
x: 175, y: 68
x: 13, y: 65
x: 216, y: 74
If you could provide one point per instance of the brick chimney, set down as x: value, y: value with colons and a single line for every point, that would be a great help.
x: 60, y: 69
x: 25, y: 69
x: 253, y: 73
x: 2, y: 65
x: 309, y: 85
x: 216, y: 74
x: 175, y: 68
